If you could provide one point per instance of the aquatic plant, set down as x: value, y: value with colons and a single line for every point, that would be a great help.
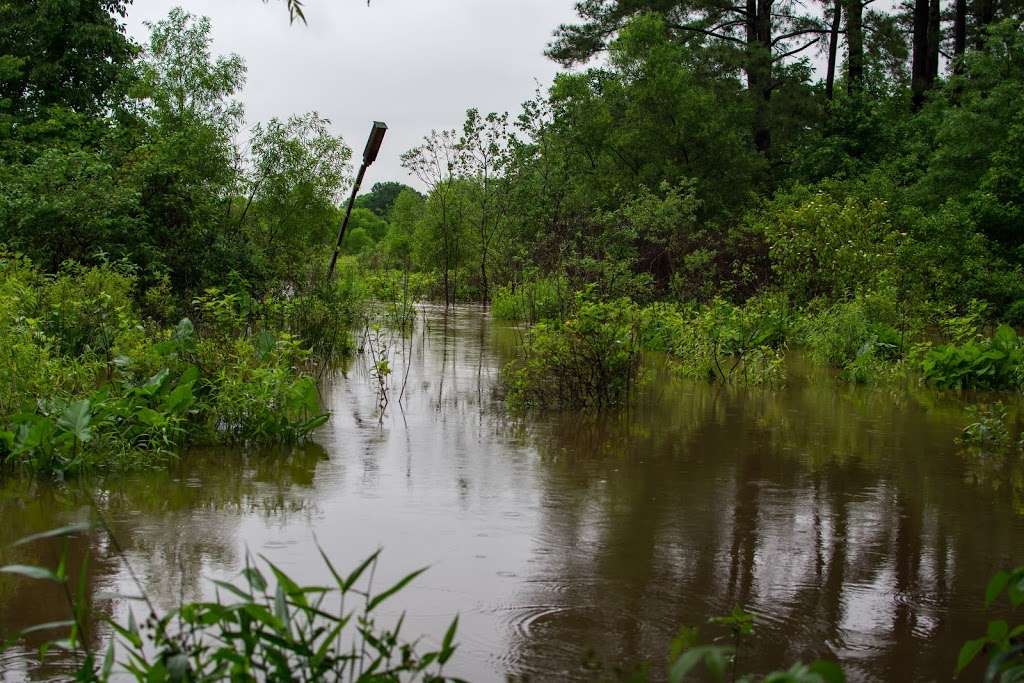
x: 690, y: 659
x: 260, y: 626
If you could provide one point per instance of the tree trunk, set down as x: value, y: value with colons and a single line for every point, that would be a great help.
x: 759, y: 68
x: 959, y: 34
x: 854, y: 46
x: 919, y: 60
x: 833, y: 48
x: 934, y: 40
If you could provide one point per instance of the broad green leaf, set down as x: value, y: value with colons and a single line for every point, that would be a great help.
x: 75, y: 420
x: 995, y: 586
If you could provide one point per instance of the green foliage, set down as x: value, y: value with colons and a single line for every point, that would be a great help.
x: 85, y: 382
x: 591, y: 360
x: 822, y: 247
x: 533, y: 300
x: 261, y: 626
x: 1002, y: 643
x: 722, y: 342
x: 382, y: 197
x: 689, y: 659
x: 862, y: 337
x: 993, y: 363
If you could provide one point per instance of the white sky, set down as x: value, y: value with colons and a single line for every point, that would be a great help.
x: 415, y: 64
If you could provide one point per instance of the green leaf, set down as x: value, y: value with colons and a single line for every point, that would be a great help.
x: 995, y: 586
x: 30, y: 571
x: 75, y: 420
x: 69, y: 530
x: 968, y: 652
x: 67, y: 623
x: 377, y: 599
x: 447, y: 649
x: 830, y: 672
x: 358, y: 571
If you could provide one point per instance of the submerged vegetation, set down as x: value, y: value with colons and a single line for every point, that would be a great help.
x: 88, y: 382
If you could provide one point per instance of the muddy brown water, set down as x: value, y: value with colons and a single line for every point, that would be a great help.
x: 844, y: 518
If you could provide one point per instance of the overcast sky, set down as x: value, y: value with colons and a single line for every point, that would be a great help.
x: 415, y: 64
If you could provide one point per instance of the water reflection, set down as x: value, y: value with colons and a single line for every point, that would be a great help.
x: 842, y: 517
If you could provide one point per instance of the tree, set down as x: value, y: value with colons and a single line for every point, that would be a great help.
x: 54, y: 54
x: 300, y: 173
x: 484, y: 160
x: 381, y: 197
x: 435, y: 162
x: 758, y: 36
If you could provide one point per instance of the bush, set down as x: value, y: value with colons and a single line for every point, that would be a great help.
x: 590, y: 360
x: 994, y: 363
x: 532, y: 301
x: 85, y: 382
x: 859, y: 337
x: 722, y: 342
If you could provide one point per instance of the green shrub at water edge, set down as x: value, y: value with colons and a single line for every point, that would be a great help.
x: 590, y: 360
x: 532, y: 301
x: 994, y: 363
x: 723, y: 342
x: 86, y: 382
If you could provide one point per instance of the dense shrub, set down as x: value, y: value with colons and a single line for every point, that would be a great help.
x: 86, y: 382
x: 590, y: 360
x: 533, y: 300
x: 723, y: 342
x: 994, y: 363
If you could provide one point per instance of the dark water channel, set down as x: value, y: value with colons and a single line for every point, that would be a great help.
x: 844, y: 518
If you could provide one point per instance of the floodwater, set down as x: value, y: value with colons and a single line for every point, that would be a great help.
x: 844, y: 518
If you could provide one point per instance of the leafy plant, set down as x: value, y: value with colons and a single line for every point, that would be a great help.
x: 1003, y: 643
x: 590, y: 360
x: 261, y: 626
x: 994, y: 363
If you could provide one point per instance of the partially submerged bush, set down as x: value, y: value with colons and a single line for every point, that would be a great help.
x: 590, y: 360
x: 993, y: 363
x: 722, y: 342
x: 85, y: 382
x: 859, y: 337
x: 532, y: 301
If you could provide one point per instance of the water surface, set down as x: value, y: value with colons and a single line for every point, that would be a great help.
x: 843, y: 517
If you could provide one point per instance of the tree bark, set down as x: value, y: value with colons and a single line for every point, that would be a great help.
x: 934, y: 40
x: 759, y: 68
x: 959, y: 34
x: 919, y: 59
x: 833, y: 48
x: 854, y: 45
